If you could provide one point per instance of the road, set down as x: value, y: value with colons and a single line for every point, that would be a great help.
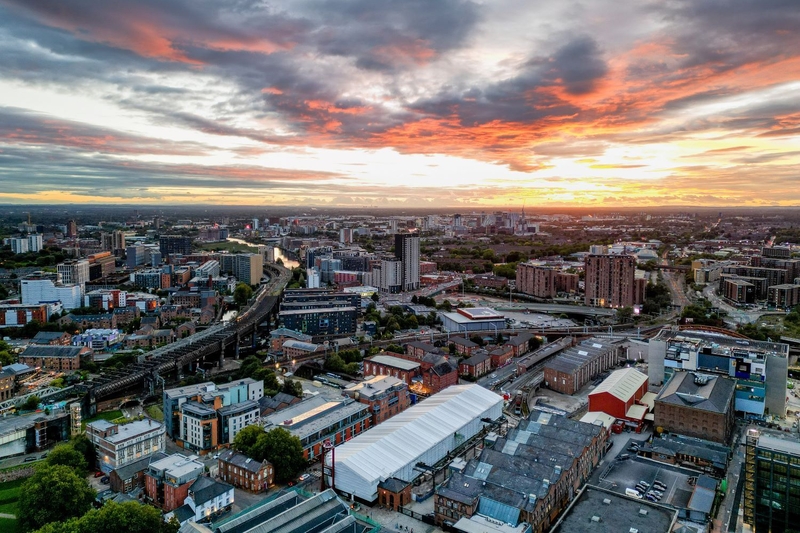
x: 736, y: 316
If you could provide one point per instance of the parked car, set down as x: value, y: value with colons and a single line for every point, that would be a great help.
x: 30, y: 459
x: 104, y: 479
x: 98, y: 474
x: 303, y: 477
x: 623, y: 456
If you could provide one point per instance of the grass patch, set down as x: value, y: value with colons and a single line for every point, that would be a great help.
x: 9, y: 496
x: 228, y: 246
x: 155, y: 412
x: 10, y: 525
x: 9, y: 490
x: 111, y: 416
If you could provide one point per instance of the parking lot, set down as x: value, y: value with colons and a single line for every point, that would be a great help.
x: 618, y: 475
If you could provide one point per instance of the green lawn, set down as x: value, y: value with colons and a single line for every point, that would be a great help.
x: 9, y: 491
x: 108, y: 415
x: 9, y: 494
x: 155, y: 412
x: 9, y: 525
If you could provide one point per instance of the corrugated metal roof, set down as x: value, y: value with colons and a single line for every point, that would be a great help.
x: 621, y: 384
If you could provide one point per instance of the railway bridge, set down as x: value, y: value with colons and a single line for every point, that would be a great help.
x: 210, y: 343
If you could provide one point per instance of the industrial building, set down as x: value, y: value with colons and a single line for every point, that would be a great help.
x: 58, y: 358
x: 289, y: 512
x: 596, y: 509
x: 620, y: 395
x: 527, y: 477
x: 573, y: 368
x: 424, y: 433
x: 473, y: 319
x: 317, y: 419
x: 697, y: 405
x: 759, y: 368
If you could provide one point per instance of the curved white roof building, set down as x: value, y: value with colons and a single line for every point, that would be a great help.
x: 423, y: 433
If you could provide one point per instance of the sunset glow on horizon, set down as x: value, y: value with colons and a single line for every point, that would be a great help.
x: 391, y: 104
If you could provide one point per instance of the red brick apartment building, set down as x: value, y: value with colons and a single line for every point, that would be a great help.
x: 610, y: 280
x: 245, y: 473
x: 167, y: 481
x: 544, y: 281
x: 61, y: 358
x: 385, y: 395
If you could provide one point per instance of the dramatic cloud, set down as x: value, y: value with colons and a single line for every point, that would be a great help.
x: 358, y: 102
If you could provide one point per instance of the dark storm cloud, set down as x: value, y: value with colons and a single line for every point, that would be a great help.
x: 579, y: 65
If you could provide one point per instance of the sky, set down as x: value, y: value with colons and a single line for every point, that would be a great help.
x: 392, y: 103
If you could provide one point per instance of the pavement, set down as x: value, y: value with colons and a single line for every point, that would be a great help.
x: 397, y: 522
x: 727, y: 506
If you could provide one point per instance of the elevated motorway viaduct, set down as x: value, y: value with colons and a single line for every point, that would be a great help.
x: 210, y: 343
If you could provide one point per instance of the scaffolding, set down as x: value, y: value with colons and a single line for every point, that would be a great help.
x: 750, y: 477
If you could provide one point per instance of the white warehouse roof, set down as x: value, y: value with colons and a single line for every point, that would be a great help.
x: 622, y: 383
x: 423, y: 433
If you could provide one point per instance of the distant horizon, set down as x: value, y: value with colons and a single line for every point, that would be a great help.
x: 462, y: 208
x: 453, y: 104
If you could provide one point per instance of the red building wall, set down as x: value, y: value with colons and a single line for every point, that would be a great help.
x: 607, y: 403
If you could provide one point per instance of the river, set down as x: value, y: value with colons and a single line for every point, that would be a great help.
x: 279, y: 254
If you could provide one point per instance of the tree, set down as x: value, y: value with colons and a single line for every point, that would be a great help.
x: 84, y: 446
x: 66, y: 455
x: 31, y: 404
x: 284, y: 451
x: 6, y: 357
x: 375, y: 297
x: 130, y: 517
x: 242, y: 293
x: 477, y: 339
x: 624, y: 314
x: 293, y: 387
x: 52, y: 494
x: 246, y: 439
x: 277, y: 446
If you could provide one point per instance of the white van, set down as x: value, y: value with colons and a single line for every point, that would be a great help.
x: 633, y: 493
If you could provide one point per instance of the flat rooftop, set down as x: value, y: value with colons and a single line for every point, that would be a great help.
x: 395, y: 362
x: 317, y: 310
x: 479, y: 313
x: 720, y: 344
x: 131, y: 430
x: 598, y: 511
x: 779, y: 444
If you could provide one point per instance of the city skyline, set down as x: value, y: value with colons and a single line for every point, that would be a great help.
x: 412, y: 104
